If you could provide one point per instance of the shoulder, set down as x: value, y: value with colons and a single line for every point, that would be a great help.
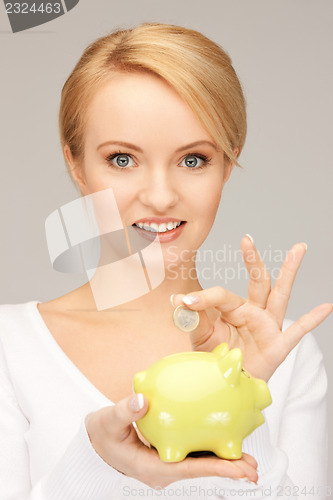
x: 16, y: 318
x: 304, y: 362
x: 300, y: 376
x: 307, y: 348
x: 11, y: 312
x: 14, y: 321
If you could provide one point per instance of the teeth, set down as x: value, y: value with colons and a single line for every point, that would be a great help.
x: 158, y: 228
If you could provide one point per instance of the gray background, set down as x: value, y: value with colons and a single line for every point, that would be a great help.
x: 282, y: 51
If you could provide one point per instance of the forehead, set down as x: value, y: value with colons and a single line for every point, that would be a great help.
x: 134, y: 105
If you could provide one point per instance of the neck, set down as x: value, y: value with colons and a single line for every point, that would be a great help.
x: 182, y: 279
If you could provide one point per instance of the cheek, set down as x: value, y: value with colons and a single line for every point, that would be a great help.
x: 206, y: 197
x: 98, y: 178
x: 97, y: 175
x: 205, y: 203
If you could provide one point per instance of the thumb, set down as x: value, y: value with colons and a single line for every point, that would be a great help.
x: 202, y: 336
x: 118, y: 418
x: 126, y: 411
x: 138, y: 406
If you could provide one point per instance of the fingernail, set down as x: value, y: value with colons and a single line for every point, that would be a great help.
x: 306, y: 246
x: 137, y: 402
x: 171, y: 299
x: 246, y: 480
x: 190, y: 299
x: 250, y: 238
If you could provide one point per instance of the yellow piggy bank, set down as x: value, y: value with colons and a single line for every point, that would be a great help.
x: 200, y: 401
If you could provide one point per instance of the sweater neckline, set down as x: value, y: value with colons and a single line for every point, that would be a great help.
x: 64, y: 360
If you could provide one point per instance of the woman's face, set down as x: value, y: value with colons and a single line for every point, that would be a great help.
x: 157, y: 177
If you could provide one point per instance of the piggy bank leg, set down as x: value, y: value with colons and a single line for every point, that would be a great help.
x: 229, y: 450
x: 171, y: 452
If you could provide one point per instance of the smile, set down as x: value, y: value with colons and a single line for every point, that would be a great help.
x: 158, y: 228
x: 165, y: 231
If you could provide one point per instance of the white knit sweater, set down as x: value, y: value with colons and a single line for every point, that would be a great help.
x: 45, y: 452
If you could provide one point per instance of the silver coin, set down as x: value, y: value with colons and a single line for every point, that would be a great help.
x: 185, y: 319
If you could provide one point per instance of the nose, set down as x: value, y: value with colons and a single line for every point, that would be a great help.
x: 159, y: 191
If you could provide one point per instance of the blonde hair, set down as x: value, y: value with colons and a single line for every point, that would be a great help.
x: 195, y: 66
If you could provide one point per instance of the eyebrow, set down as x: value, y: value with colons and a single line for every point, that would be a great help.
x: 136, y: 148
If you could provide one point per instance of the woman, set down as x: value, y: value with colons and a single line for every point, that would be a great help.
x: 157, y: 114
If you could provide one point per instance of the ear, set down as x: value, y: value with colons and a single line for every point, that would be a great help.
x: 231, y: 366
x: 228, y: 166
x: 76, y: 170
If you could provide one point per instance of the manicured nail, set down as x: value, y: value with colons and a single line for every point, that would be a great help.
x: 190, y: 299
x: 306, y: 246
x: 250, y: 238
x: 137, y: 402
x: 246, y: 480
x: 171, y: 299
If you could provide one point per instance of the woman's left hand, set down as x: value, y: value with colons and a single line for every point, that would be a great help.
x: 254, y: 324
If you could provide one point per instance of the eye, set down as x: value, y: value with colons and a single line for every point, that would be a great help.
x: 122, y: 160
x: 192, y: 161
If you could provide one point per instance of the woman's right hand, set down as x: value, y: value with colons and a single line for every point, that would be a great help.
x: 116, y: 441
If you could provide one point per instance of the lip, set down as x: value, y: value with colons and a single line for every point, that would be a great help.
x: 157, y: 220
x: 161, y: 237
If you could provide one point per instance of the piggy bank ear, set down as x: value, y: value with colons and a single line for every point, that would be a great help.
x: 231, y: 366
x: 221, y: 350
x: 138, y: 380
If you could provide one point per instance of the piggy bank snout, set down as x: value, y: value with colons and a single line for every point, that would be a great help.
x: 139, y: 379
x: 263, y: 396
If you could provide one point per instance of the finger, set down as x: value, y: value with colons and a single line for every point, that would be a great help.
x: 193, y: 467
x: 305, y: 324
x: 278, y: 299
x: 205, y: 337
x: 234, y: 469
x: 221, y: 299
x: 260, y: 280
x: 249, y: 470
x: 117, y: 420
x: 250, y: 459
